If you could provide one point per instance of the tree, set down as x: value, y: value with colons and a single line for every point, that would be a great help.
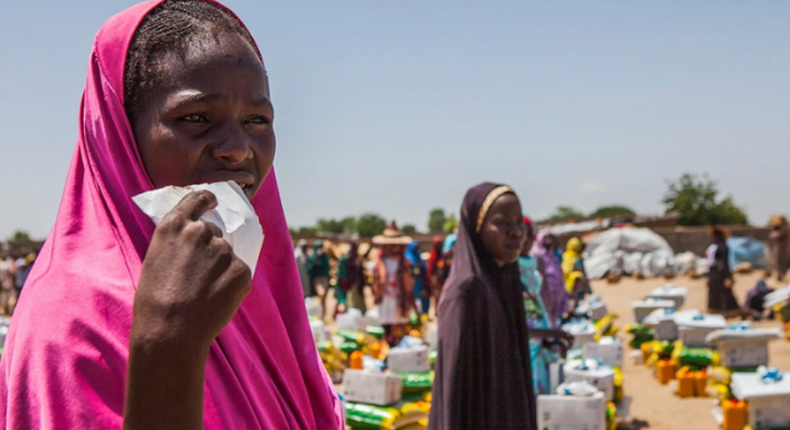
x: 612, y: 211
x: 695, y: 200
x: 566, y: 213
x: 19, y: 235
x: 436, y: 220
x: 329, y: 226
x: 409, y: 229
x: 307, y: 230
x: 450, y: 224
x: 347, y: 225
x: 370, y: 224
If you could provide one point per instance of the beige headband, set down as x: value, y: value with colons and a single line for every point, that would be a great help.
x: 490, y: 199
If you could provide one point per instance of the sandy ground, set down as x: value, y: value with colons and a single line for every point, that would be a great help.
x: 654, y: 406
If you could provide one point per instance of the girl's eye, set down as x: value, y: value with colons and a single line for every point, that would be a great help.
x: 257, y: 119
x: 195, y: 117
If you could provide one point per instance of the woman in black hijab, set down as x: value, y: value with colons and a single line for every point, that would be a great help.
x: 483, y: 377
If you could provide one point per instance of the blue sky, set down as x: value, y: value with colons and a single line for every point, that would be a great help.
x: 399, y: 107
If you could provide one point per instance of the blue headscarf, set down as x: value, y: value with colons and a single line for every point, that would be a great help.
x: 449, y: 243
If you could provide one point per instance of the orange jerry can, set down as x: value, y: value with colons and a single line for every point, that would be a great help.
x: 645, y: 348
x: 685, y: 384
x: 665, y: 371
x: 734, y: 412
x: 701, y: 383
x: 375, y: 350
x: 355, y: 361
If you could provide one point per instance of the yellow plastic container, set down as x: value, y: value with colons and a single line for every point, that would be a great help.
x: 665, y: 371
x: 734, y: 415
x: 355, y: 361
x: 685, y: 384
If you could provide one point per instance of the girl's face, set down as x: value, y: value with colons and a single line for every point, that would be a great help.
x: 210, y: 118
x: 503, y: 233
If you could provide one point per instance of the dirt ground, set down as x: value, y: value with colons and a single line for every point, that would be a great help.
x: 654, y: 406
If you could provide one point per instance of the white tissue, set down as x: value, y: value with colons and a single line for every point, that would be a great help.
x: 234, y: 215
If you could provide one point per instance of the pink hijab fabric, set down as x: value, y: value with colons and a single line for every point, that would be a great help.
x: 64, y: 363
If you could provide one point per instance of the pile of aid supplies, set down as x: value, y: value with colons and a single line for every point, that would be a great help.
x: 382, y: 387
x: 588, y: 385
x: 703, y: 356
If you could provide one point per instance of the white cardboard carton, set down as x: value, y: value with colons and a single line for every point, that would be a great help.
x: 583, y: 333
x: 380, y: 389
x: 671, y: 292
x: 664, y: 322
x: 694, y: 330
x: 556, y: 375
x: 433, y: 336
x: 609, y: 351
x: 572, y: 412
x: 319, y: 331
x: 409, y: 360
x: 599, y: 377
x: 313, y: 306
x: 643, y: 308
x: 594, y: 307
x: 743, y: 348
x: 768, y: 402
x: 351, y: 320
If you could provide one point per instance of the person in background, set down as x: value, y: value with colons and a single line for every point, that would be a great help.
x: 779, y: 246
x: 300, y: 253
x: 422, y: 289
x: 755, y: 298
x: 483, y: 376
x: 544, y: 340
x: 720, y: 280
x: 7, y: 284
x: 127, y: 323
x: 434, y: 268
x: 351, y: 278
x: 576, y: 283
x: 23, y: 268
x: 554, y: 295
x: 318, y: 267
x: 393, y: 283
x: 447, y: 254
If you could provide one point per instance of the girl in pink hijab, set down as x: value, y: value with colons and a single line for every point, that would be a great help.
x: 125, y: 324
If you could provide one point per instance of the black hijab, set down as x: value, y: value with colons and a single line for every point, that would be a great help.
x: 483, y: 378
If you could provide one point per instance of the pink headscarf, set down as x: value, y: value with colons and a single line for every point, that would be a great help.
x: 65, y: 358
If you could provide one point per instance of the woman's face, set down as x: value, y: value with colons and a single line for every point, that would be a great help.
x: 503, y: 233
x: 210, y: 118
x: 548, y: 242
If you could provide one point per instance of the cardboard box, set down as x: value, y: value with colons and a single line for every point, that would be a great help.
x: 313, y: 306
x: 409, y: 360
x: 571, y: 412
x: 608, y: 350
x: 671, y: 292
x: 433, y: 336
x: 694, y: 330
x: 594, y: 307
x: 643, y: 308
x: 744, y: 347
x: 601, y: 378
x: 767, y: 401
x: 351, y: 320
x: 319, y: 330
x: 583, y: 333
x: 381, y: 389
